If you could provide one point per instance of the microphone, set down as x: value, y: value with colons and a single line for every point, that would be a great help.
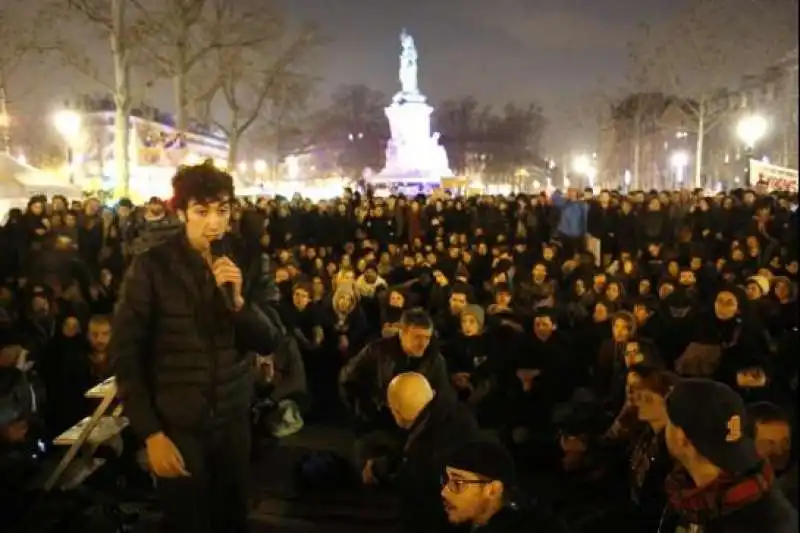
x: 219, y: 248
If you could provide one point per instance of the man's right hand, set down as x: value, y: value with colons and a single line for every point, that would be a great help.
x: 164, y: 457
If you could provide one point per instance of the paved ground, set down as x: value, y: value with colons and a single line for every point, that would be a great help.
x: 279, y: 503
x: 279, y: 506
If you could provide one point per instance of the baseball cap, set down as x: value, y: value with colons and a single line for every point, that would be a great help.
x: 712, y: 416
x: 484, y: 457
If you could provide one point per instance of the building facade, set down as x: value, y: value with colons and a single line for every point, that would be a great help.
x: 772, y: 94
x: 648, y: 136
x: 639, y: 140
x: 156, y: 148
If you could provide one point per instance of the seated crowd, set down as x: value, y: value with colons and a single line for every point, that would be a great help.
x: 566, y: 325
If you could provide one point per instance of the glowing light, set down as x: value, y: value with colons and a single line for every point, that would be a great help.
x: 192, y: 159
x: 751, y: 129
x: 581, y: 164
x: 243, y: 167
x: 68, y: 123
x: 292, y: 167
x: 220, y: 163
x: 679, y: 160
x: 260, y: 166
x: 628, y: 177
x: 591, y: 173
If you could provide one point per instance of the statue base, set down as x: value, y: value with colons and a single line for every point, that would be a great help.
x: 413, y: 155
x: 408, y: 97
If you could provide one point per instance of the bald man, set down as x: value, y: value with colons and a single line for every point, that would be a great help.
x: 435, y: 424
x: 408, y: 394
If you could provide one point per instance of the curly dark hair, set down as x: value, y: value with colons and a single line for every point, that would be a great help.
x: 202, y: 183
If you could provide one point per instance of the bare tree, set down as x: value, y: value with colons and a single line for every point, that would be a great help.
x: 284, y: 125
x: 251, y: 78
x: 708, y: 47
x: 17, y: 41
x: 113, y: 22
x: 354, y: 125
x: 463, y: 123
x: 181, y: 35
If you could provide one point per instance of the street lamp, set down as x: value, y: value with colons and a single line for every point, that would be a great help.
x: 68, y: 124
x: 581, y: 164
x: 750, y: 130
x: 679, y: 160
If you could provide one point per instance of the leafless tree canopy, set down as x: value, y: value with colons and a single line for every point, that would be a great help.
x: 712, y: 44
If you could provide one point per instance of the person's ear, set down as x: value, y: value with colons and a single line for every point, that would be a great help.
x: 494, y: 489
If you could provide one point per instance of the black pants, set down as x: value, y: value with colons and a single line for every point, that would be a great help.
x: 213, y: 499
x: 571, y: 245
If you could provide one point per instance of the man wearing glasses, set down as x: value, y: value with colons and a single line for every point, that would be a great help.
x: 479, y: 489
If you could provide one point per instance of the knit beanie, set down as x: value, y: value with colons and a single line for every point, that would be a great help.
x: 476, y: 311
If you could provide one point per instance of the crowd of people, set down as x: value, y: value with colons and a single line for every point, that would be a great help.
x: 632, y: 353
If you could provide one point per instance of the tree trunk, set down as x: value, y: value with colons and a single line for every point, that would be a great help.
x: 179, y: 84
x: 637, y: 152
x: 179, y: 92
x: 698, y: 158
x: 5, y: 121
x: 122, y: 97
x: 233, y: 148
x: 786, y: 145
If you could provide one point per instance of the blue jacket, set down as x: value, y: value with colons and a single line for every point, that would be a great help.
x: 572, y: 217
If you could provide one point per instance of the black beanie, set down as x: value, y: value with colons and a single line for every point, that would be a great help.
x: 486, y: 458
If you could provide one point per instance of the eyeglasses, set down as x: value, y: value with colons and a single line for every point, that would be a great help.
x: 457, y: 486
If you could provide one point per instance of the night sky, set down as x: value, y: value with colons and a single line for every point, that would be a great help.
x: 554, y: 52
x: 550, y: 51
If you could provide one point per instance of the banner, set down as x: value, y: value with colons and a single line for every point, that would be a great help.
x: 772, y: 177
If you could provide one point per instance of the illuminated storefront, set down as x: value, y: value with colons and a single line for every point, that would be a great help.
x: 156, y: 150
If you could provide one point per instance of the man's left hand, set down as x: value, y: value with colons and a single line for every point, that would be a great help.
x: 226, y: 271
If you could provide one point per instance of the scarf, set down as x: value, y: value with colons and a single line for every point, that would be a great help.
x: 724, y: 496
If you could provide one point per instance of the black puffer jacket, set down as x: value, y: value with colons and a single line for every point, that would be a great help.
x: 365, y: 378
x: 177, y: 352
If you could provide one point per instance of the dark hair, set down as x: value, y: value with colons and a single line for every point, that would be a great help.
x: 303, y: 285
x: 655, y: 379
x: 416, y: 318
x: 202, y: 183
x: 766, y: 412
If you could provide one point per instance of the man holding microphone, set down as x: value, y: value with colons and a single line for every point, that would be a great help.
x: 181, y: 334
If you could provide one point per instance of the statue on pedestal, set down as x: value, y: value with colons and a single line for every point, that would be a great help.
x: 408, y: 64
